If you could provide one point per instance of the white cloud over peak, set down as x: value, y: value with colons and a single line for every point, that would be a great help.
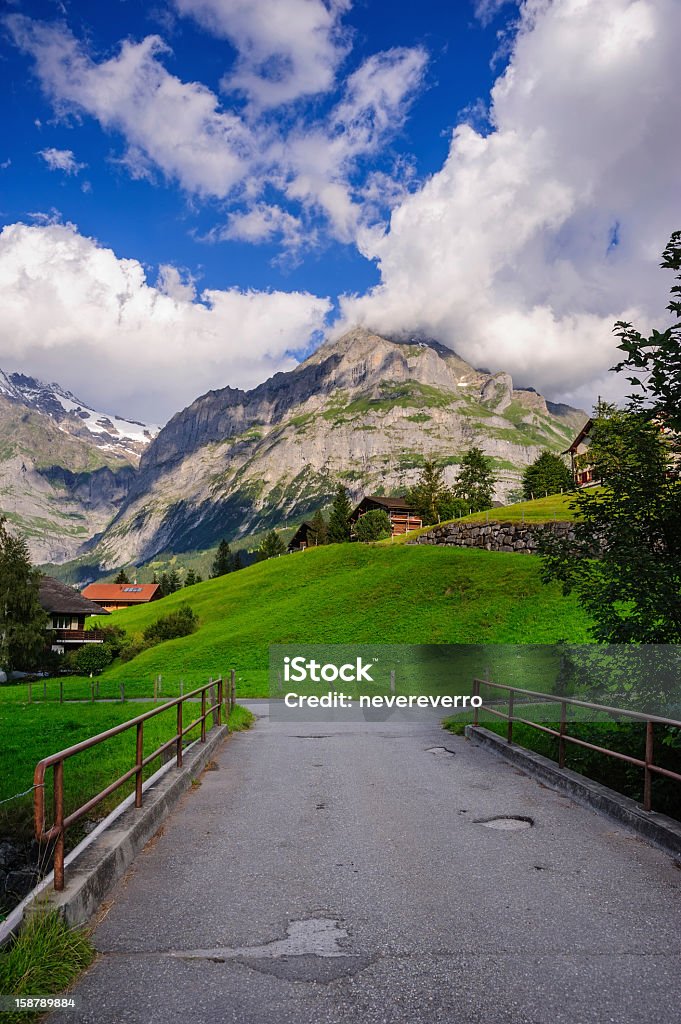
x: 61, y: 160
x: 287, y: 50
x: 131, y: 347
x: 534, y: 238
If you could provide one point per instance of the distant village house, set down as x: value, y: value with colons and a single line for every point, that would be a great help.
x: 402, y: 515
x: 303, y: 537
x: 582, y: 470
x: 113, y: 596
x: 68, y: 611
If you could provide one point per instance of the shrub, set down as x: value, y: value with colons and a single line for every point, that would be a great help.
x: 180, y: 623
x: 374, y: 525
x: 91, y: 658
x: 115, y: 638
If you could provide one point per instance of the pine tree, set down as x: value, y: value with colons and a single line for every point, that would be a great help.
x: 318, y: 532
x: 236, y: 562
x: 22, y: 619
x: 475, y: 483
x: 223, y: 561
x: 190, y: 579
x: 163, y: 585
x: 198, y: 578
x: 122, y: 577
x: 173, y: 581
x: 271, y: 546
x: 339, y: 520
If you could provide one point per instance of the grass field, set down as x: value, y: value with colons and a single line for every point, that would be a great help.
x: 343, y: 594
x: 32, y: 731
x: 541, y: 510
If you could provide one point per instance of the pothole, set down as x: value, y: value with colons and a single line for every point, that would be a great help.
x: 440, y: 751
x: 313, y: 936
x: 506, y: 822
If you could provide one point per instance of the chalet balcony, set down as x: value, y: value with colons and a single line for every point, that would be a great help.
x: 77, y: 636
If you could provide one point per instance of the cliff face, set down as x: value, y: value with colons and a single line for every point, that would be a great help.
x: 362, y: 409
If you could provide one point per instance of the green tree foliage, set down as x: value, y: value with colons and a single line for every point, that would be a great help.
x: 374, y: 525
x: 271, y: 546
x: 625, y: 561
x: 122, y: 577
x: 475, y: 482
x: 656, y: 361
x: 174, y: 583
x: 22, y: 619
x: 91, y: 658
x: 163, y: 584
x: 190, y: 578
x: 431, y: 497
x: 223, y: 561
x: 548, y: 474
x: 168, y: 627
x: 114, y: 637
x: 339, y: 519
x: 318, y: 532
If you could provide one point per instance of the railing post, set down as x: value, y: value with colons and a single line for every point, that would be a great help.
x: 509, y: 731
x: 220, y: 701
x: 648, y: 775
x: 203, y: 715
x: 561, y: 738
x: 179, y: 734
x: 59, y: 823
x: 213, y: 705
x: 232, y: 690
x: 138, y: 763
x: 476, y: 693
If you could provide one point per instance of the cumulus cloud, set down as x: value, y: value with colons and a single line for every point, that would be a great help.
x: 533, y: 238
x: 182, y: 130
x: 61, y: 160
x: 287, y: 49
x: 74, y: 311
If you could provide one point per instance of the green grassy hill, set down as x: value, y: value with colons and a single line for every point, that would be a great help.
x: 348, y: 594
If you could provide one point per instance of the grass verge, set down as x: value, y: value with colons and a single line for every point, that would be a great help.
x: 45, y: 958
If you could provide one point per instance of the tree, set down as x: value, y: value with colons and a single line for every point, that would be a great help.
x: 190, y: 578
x: 548, y: 474
x: 475, y: 483
x: 223, y: 562
x: 339, y: 520
x: 624, y: 563
x: 374, y: 525
x: 236, y: 561
x: 163, y: 584
x: 431, y: 497
x: 122, y: 577
x: 318, y: 532
x: 22, y: 619
x: 656, y: 361
x: 271, y: 546
x: 173, y: 581
x: 92, y: 659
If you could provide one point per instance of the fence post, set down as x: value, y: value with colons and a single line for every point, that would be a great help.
x: 155, y: 687
x: 59, y: 823
x: 509, y: 731
x: 179, y: 735
x: 220, y: 688
x: 561, y: 738
x: 648, y: 775
x: 213, y: 705
x: 203, y: 715
x: 122, y: 693
x: 61, y: 691
x: 92, y: 689
x: 476, y: 693
x: 138, y: 764
x: 392, y: 680
x: 30, y: 692
x: 232, y: 691
x: 44, y: 689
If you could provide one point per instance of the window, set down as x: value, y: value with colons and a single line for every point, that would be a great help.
x: 62, y: 622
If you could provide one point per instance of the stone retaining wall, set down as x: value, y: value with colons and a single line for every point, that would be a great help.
x: 494, y: 536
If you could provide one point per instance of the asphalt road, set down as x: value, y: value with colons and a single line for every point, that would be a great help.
x: 327, y: 872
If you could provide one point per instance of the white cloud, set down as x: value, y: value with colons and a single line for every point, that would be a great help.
x: 287, y: 49
x: 181, y: 128
x: 74, y: 311
x: 61, y: 160
x: 506, y: 253
x: 486, y: 10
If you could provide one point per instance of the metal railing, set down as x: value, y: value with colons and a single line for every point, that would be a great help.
x: 56, y: 761
x: 561, y: 734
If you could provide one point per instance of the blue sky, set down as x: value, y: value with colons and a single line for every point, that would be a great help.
x: 195, y: 192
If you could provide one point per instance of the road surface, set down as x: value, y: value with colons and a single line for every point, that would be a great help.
x: 340, y: 872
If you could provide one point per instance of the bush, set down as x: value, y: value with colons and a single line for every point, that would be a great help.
x: 115, y: 638
x: 91, y: 658
x: 180, y: 623
x: 132, y: 650
x: 373, y: 525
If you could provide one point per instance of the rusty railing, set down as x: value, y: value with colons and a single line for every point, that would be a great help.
x: 56, y: 761
x: 561, y: 734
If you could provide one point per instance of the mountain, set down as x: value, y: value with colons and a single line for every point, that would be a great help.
x: 362, y: 409
x: 65, y: 468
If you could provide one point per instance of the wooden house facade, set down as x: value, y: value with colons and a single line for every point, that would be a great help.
x: 68, y: 612
x: 402, y: 515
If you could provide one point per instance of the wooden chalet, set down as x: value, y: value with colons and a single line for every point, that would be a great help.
x: 121, y: 595
x: 302, y: 538
x: 403, y: 516
x: 582, y: 470
x: 68, y: 610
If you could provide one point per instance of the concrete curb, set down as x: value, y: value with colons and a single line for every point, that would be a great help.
x: 658, y: 829
x: 101, y: 859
